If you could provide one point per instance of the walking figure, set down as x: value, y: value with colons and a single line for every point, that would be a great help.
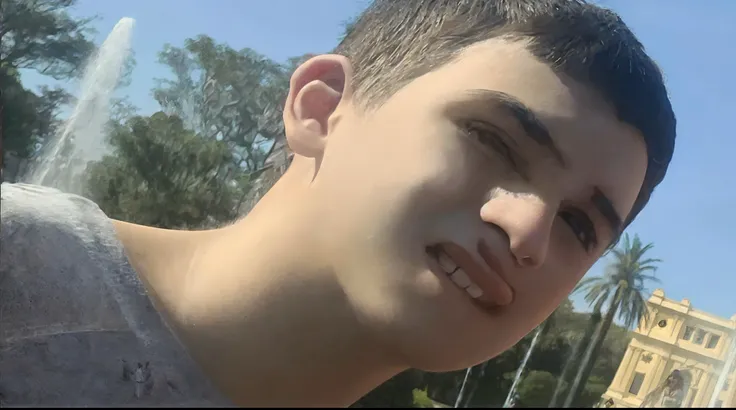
x: 143, y: 380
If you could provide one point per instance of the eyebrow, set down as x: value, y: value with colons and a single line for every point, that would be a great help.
x: 533, y: 127
x: 536, y: 130
x: 605, y: 206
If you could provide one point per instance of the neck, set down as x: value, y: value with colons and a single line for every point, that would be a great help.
x: 266, y: 321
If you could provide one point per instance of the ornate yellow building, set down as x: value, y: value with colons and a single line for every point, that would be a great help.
x: 695, y: 345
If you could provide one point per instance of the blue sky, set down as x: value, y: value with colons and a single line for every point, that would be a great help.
x: 692, y: 215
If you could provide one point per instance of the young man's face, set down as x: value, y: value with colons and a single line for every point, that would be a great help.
x: 493, y: 164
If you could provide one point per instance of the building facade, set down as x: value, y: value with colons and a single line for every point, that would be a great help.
x: 676, y: 358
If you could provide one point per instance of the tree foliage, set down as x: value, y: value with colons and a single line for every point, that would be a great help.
x: 41, y: 35
x: 573, y: 361
x: 163, y: 175
x: 536, y: 388
x: 37, y: 35
x: 27, y: 118
x: 624, y: 287
x: 229, y: 95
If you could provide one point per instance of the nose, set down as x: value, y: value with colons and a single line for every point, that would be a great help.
x: 527, y: 220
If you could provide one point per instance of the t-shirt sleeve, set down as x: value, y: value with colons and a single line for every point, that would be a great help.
x: 50, y: 277
x: 77, y: 327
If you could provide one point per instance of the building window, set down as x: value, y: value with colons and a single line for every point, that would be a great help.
x: 713, y: 342
x: 699, y: 336
x: 688, y: 333
x: 636, y: 383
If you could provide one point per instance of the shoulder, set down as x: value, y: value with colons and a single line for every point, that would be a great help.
x: 51, y: 247
x: 30, y: 208
x: 43, y: 225
x: 66, y: 286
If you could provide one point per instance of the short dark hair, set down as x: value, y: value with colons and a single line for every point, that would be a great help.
x: 395, y: 41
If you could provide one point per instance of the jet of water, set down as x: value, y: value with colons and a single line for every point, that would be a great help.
x: 520, y: 371
x: 727, y: 367
x: 82, y: 138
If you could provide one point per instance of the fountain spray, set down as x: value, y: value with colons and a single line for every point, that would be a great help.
x: 82, y: 139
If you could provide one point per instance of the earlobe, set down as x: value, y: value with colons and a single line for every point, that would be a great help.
x: 317, y: 88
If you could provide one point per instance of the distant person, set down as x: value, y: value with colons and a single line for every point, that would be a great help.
x: 143, y: 381
x: 458, y: 167
x: 669, y: 394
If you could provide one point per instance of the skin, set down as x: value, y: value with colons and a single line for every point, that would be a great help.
x: 326, y: 289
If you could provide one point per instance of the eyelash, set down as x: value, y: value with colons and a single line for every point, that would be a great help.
x: 490, y: 138
x: 583, y: 230
x: 584, y: 233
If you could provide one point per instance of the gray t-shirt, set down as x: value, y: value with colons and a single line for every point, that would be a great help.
x: 76, y: 325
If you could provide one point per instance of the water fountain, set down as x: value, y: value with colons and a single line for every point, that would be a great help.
x: 512, y: 392
x: 728, y: 366
x: 82, y: 138
x: 671, y: 392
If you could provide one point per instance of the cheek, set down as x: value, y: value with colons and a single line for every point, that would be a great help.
x: 391, y: 178
x: 432, y: 167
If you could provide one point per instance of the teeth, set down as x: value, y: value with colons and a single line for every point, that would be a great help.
x: 461, y: 278
x: 474, y: 291
x: 458, y: 276
x: 446, y: 263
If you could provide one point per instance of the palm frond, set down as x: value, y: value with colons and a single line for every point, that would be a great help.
x: 625, y: 279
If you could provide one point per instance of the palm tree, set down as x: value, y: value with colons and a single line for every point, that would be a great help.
x: 624, y: 287
x: 580, y: 346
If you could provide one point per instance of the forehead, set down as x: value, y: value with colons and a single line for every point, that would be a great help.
x: 604, y: 151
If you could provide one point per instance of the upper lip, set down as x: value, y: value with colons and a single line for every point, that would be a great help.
x: 491, y: 279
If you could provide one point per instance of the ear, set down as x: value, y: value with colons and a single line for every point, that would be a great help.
x: 317, y: 87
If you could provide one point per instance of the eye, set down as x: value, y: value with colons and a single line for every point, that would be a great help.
x: 581, y: 226
x: 491, y: 137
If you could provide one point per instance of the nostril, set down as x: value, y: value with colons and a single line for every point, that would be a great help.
x: 526, y: 261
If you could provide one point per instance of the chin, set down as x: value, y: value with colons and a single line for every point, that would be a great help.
x: 437, y: 358
x: 448, y: 336
x: 425, y: 320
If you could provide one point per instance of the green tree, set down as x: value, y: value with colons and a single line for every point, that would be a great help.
x: 42, y: 36
x: 536, y: 388
x: 27, y: 119
x: 121, y: 110
x: 624, y: 287
x: 163, y: 175
x: 37, y: 35
x: 19, y: 119
x: 234, y: 96
x: 573, y: 359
